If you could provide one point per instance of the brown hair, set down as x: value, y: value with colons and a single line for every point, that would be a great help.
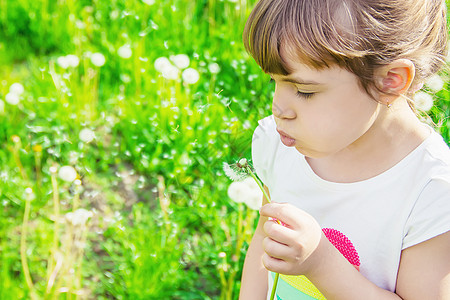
x: 358, y: 35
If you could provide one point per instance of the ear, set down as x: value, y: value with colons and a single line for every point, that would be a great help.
x: 395, y: 79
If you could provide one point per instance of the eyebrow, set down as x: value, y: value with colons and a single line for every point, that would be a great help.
x: 300, y: 81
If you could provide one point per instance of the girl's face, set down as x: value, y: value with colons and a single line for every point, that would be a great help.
x: 321, y: 112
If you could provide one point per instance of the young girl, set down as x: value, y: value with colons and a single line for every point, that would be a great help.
x: 360, y: 186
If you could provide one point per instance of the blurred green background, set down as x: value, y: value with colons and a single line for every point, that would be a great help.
x: 115, y: 120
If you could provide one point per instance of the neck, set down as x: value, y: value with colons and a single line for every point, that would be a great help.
x: 394, y: 134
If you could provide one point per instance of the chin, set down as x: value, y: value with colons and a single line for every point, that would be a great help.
x: 311, y: 153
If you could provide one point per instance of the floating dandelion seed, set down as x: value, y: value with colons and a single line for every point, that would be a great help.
x: 181, y: 61
x: 125, y: 52
x: 67, y: 173
x: 12, y: 98
x: 423, y: 101
x: 190, y: 76
x: 86, y: 135
x: 16, y: 88
x: 98, y: 59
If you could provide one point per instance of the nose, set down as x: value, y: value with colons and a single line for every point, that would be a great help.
x: 281, y: 106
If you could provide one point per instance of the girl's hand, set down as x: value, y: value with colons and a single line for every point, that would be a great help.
x: 290, y: 248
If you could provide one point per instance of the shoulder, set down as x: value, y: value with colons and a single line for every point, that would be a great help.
x: 430, y: 214
x: 437, y: 151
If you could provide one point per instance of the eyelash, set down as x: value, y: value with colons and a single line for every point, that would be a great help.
x: 304, y: 95
x: 298, y: 93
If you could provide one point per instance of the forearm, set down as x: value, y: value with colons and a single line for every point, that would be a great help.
x: 254, y: 275
x: 337, y: 279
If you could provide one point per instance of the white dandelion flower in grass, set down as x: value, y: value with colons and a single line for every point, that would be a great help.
x: 16, y: 88
x: 72, y: 60
x: 86, y: 135
x: 190, y: 76
x: 246, y: 191
x: 149, y: 2
x: 214, y: 68
x: 181, y: 61
x: 98, y: 59
x: 79, y: 217
x: 12, y: 98
x: 161, y: 63
x: 435, y: 83
x: 171, y: 72
x: 423, y: 101
x: 125, y: 51
x: 63, y: 62
x: 67, y: 173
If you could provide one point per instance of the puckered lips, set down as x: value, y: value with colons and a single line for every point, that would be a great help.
x: 286, y: 139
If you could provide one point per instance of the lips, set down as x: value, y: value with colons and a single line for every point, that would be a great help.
x: 286, y: 139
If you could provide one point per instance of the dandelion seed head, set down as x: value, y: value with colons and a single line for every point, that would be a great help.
x: 181, y: 61
x: 67, y: 173
x: 86, y: 135
x: 214, y: 68
x: 16, y: 88
x: 423, y: 101
x: 190, y: 76
x: 246, y: 191
x: 12, y: 98
x: 234, y: 172
x: 63, y: 62
x: 161, y: 63
x: 435, y: 83
x: 171, y: 72
x: 72, y: 60
x: 98, y: 59
x: 125, y: 51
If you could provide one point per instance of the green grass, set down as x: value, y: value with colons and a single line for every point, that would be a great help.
x: 163, y: 226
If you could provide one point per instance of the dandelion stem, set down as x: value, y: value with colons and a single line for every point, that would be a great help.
x: 277, y: 275
x: 23, y: 248
x: 249, y: 170
x: 274, y: 288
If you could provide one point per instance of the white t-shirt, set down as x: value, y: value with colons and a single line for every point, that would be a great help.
x: 380, y: 216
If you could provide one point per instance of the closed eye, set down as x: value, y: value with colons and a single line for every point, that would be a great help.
x: 304, y: 95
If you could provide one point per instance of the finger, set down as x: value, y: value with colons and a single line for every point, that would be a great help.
x: 279, y: 233
x: 274, y: 264
x: 284, y: 212
x: 277, y: 250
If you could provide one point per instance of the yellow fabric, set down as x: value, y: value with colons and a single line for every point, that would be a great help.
x: 302, y: 284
